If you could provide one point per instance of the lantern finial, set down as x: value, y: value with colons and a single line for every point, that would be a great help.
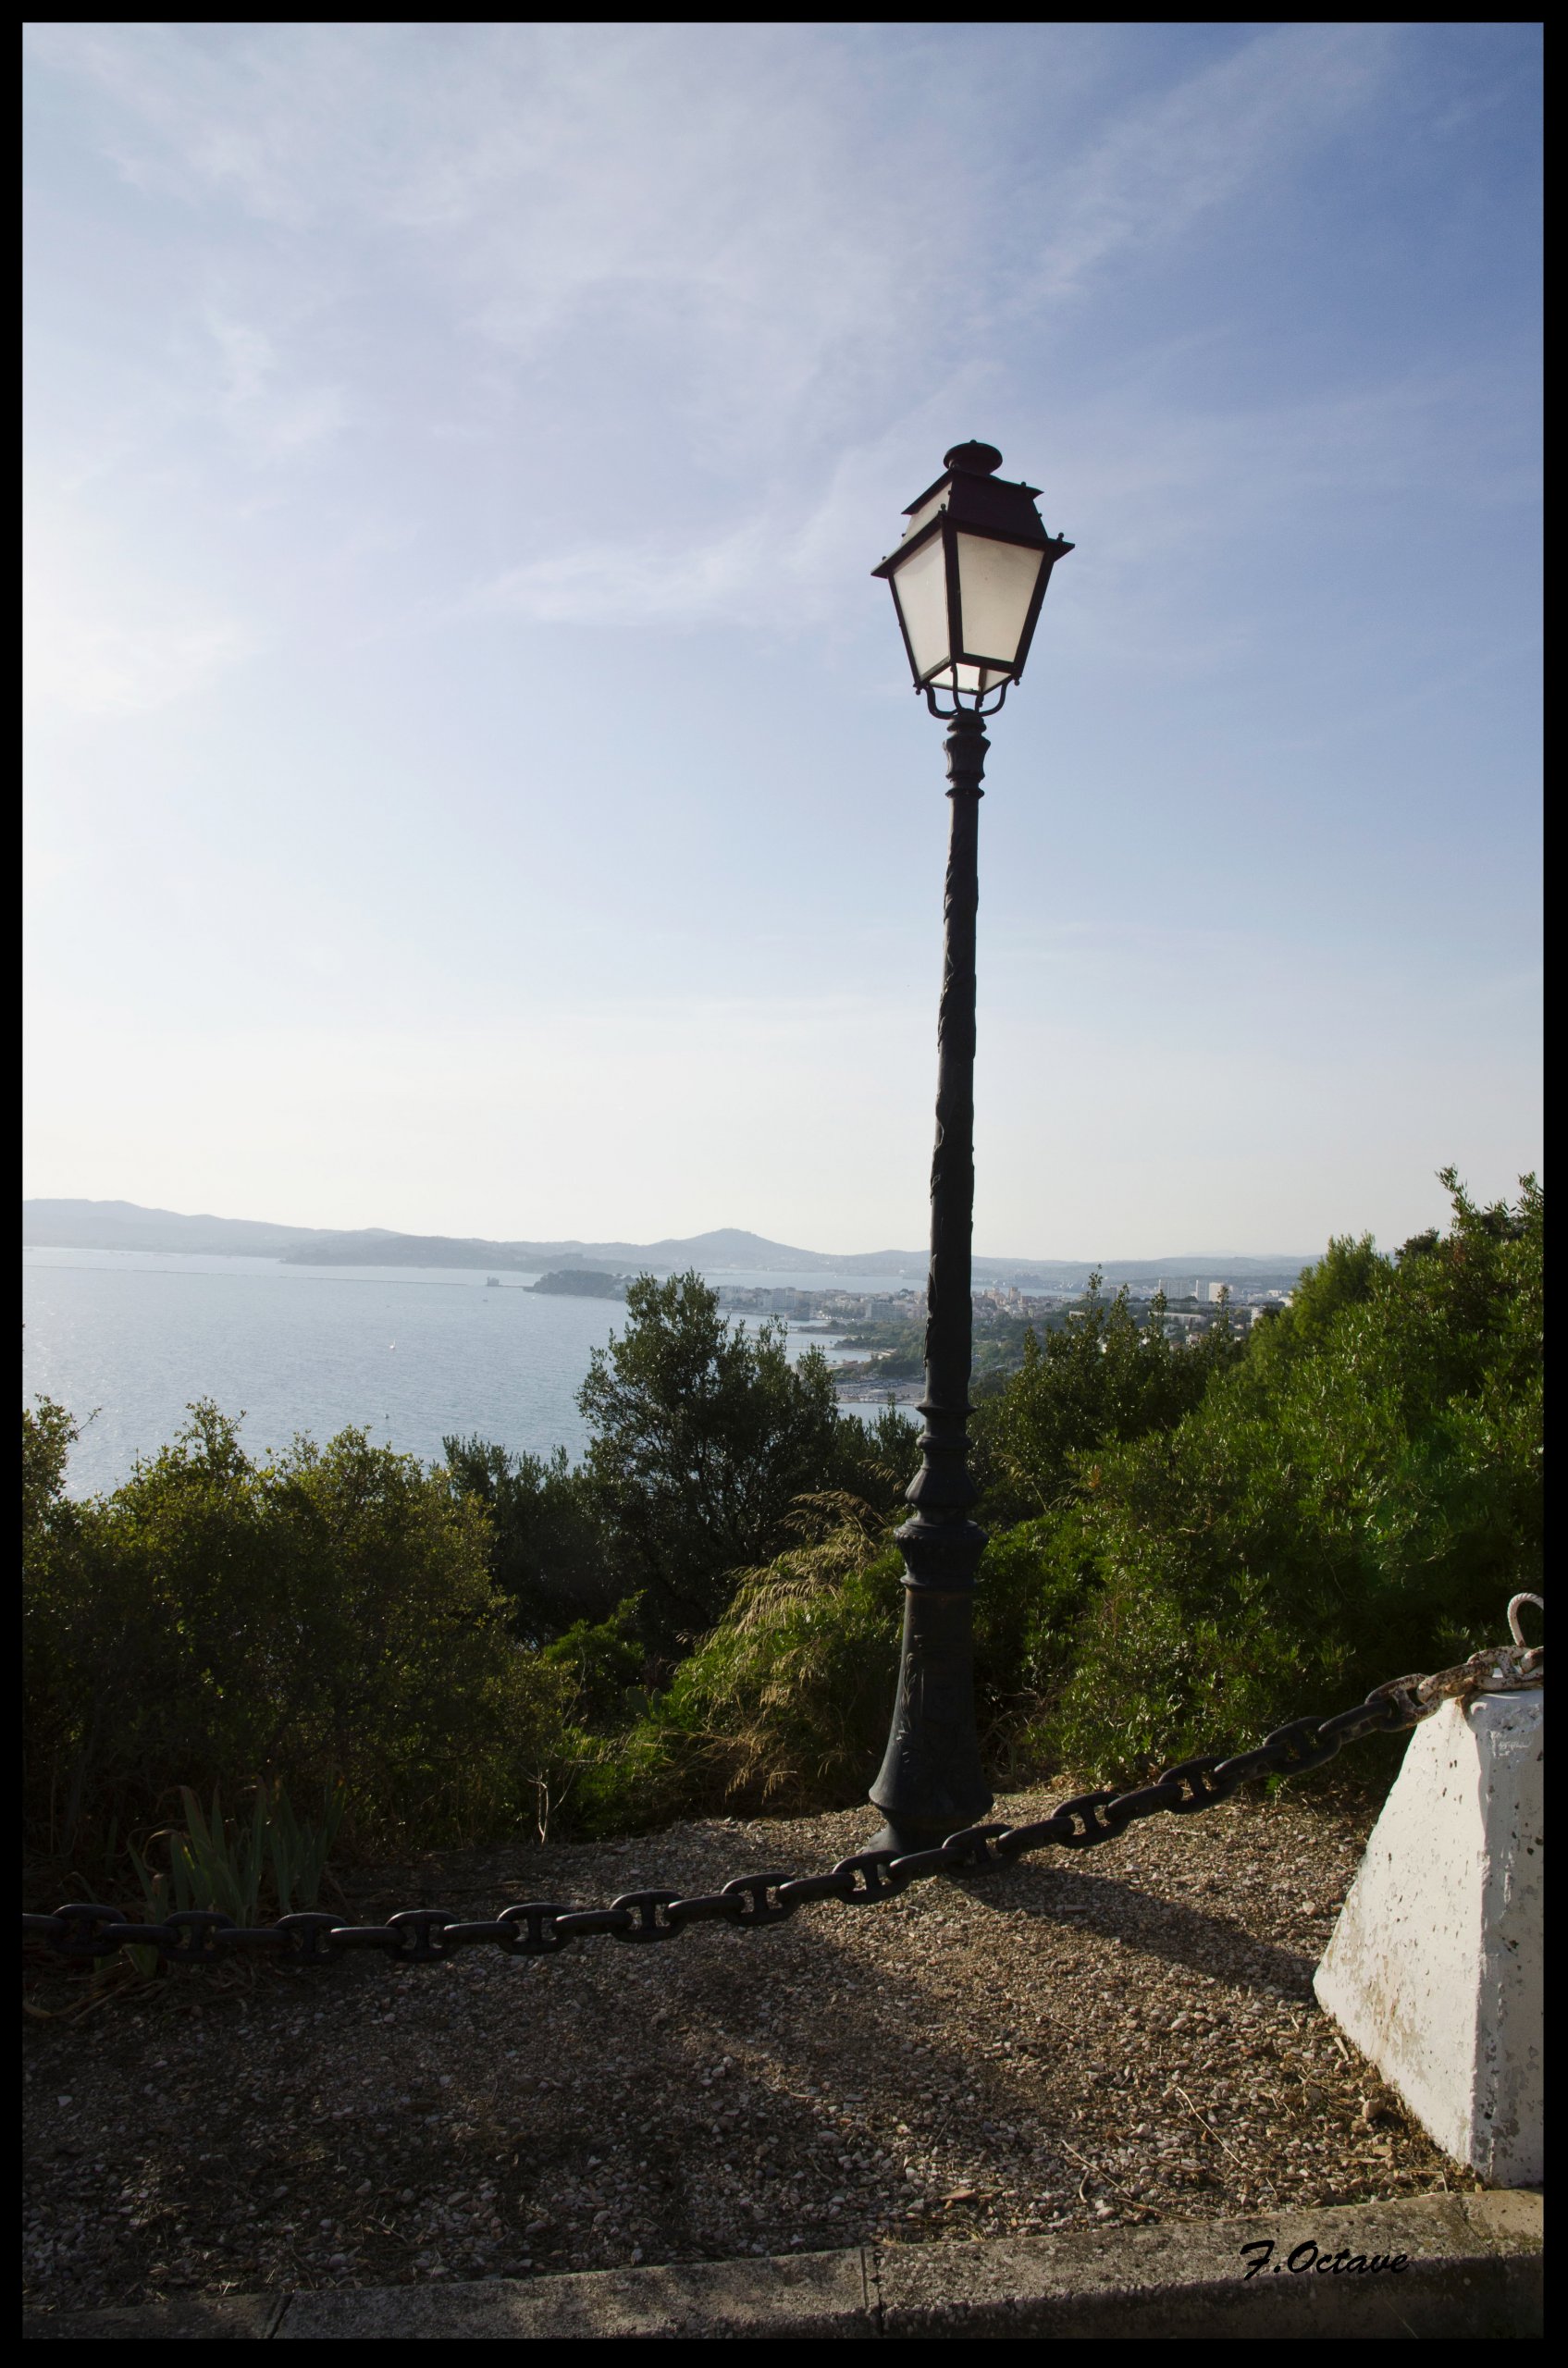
x: 979, y: 459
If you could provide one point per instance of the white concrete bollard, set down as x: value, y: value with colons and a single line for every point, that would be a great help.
x: 1434, y: 1968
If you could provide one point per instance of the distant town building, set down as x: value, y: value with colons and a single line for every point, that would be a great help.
x: 1212, y: 1293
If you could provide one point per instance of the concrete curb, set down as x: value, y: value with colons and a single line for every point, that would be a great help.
x: 1471, y: 2267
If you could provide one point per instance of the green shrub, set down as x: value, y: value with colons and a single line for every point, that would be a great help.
x: 1358, y: 1498
x: 217, y: 1624
x: 873, y: 1461
x: 784, y: 1704
x: 1101, y: 1378
x: 1037, y: 1581
x: 604, y: 1663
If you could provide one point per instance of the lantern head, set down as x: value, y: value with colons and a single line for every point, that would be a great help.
x: 967, y: 580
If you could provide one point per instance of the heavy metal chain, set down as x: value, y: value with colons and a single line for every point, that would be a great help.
x: 542, y: 1928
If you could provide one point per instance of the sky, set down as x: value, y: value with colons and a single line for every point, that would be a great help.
x: 475, y: 783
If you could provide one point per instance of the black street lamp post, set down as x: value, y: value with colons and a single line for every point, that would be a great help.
x: 967, y: 580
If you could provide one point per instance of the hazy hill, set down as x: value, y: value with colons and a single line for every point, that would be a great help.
x: 122, y: 1225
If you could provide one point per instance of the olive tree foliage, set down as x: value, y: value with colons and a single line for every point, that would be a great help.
x: 553, y: 1551
x: 1103, y: 1377
x: 219, y: 1621
x: 704, y: 1434
x: 1359, y: 1497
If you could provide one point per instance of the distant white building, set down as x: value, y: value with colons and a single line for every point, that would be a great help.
x: 1213, y: 1292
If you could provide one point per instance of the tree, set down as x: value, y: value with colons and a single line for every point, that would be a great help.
x: 704, y: 1432
x: 1102, y: 1378
x: 874, y: 1461
x: 552, y: 1550
x: 48, y: 1436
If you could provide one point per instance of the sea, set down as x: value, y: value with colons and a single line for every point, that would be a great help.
x: 126, y: 1340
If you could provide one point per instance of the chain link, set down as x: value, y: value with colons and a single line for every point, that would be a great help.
x: 85, y: 1931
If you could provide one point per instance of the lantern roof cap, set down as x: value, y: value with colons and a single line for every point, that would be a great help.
x: 978, y: 497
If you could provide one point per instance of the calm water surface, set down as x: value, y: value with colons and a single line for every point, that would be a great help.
x: 410, y: 1354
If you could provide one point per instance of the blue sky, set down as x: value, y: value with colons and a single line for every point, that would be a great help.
x: 475, y: 786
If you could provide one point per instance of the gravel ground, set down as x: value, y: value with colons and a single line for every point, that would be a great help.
x: 1126, y: 2035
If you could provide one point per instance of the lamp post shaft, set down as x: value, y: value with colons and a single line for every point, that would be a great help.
x: 931, y: 1781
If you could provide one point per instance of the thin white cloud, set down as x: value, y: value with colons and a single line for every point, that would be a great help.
x: 270, y: 417
x: 1157, y: 481
x: 1152, y: 172
x: 116, y: 669
x: 248, y: 355
x: 770, y: 568
x: 768, y: 244
x: 632, y: 582
x: 95, y: 646
x: 747, y: 190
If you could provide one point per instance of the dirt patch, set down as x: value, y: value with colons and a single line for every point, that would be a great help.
x: 1125, y: 2036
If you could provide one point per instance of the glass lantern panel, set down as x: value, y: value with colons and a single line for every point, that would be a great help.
x: 919, y: 587
x: 924, y: 515
x: 996, y: 584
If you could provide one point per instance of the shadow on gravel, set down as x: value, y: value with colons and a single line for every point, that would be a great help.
x: 1159, y: 1928
x: 918, y: 2071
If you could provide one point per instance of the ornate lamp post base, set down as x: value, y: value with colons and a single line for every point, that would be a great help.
x: 932, y: 1781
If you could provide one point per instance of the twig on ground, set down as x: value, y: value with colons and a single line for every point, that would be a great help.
x: 1207, y: 2125
x: 1264, y: 2180
x: 1133, y: 2202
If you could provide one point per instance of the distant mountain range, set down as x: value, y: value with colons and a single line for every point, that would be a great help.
x: 122, y: 1225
